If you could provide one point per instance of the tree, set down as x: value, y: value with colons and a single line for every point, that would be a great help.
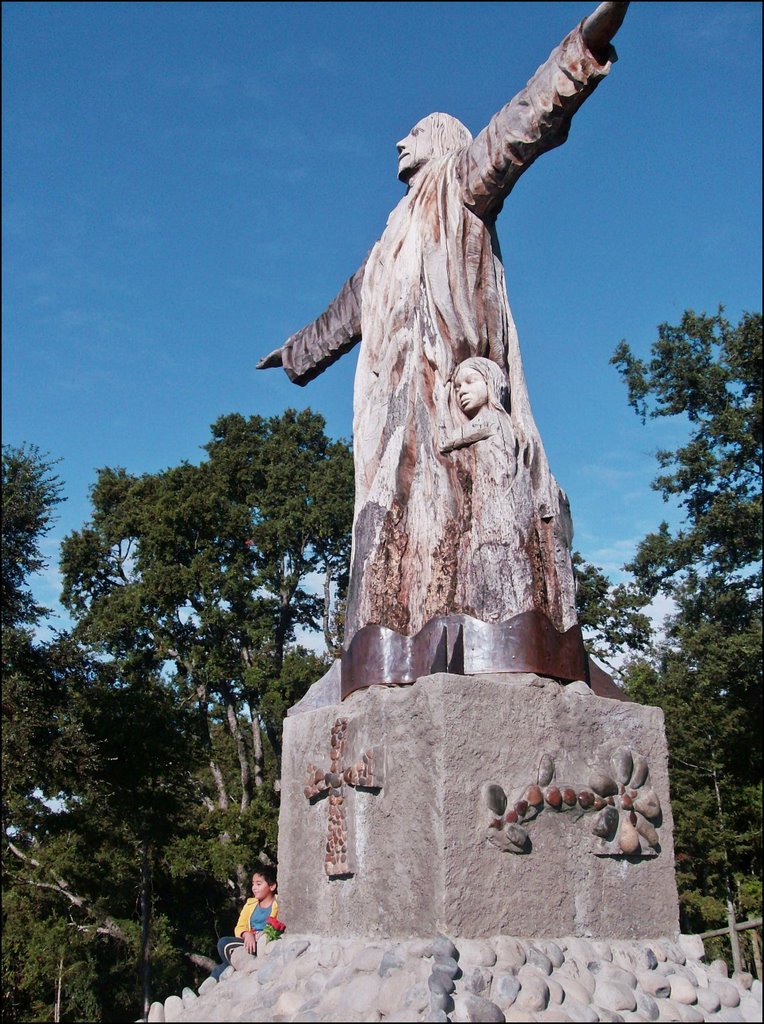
x: 201, y: 573
x: 706, y: 673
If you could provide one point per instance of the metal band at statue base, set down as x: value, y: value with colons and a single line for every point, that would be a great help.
x: 463, y: 645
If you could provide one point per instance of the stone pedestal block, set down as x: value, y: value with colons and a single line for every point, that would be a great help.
x: 399, y: 805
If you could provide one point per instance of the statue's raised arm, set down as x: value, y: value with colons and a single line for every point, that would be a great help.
x: 538, y: 118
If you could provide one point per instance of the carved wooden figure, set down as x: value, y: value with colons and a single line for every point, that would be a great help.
x: 430, y: 296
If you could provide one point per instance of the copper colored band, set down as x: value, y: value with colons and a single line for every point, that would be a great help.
x: 378, y: 656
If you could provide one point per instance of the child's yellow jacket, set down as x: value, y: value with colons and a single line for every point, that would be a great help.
x: 242, y: 925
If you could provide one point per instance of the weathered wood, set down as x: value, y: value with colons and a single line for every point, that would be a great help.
x: 452, y: 517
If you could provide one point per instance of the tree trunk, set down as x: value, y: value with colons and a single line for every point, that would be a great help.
x: 241, y: 749
x: 328, y: 608
x: 257, y: 746
x: 146, y: 927
x: 59, y: 985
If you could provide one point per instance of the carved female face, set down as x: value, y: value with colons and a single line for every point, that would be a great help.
x: 471, y: 390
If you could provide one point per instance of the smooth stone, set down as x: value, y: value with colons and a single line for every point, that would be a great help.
x: 443, y: 978
x: 606, y: 1014
x: 288, y: 1004
x: 188, y: 996
x: 580, y: 1011
x: 447, y: 965
x: 726, y: 991
x: 440, y: 946
x: 156, y: 1010
x: 668, y: 1009
x: 646, y: 1005
x: 750, y: 1007
x: 393, y: 960
x: 367, y: 960
x: 207, y: 984
x: 534, y: 796
x: 554, y: 1014
x: 639, y: 774
x: 534, y: 991
x: 477, y: 980
x: 474, y: 1008
x: 417, y: 998
x: 546, y: 770
x: 477, y: 952
x: 628, y: 838
x: 743, y: 979
x: 517, y: 836
x: 648, y: 804
x: 433, y: 1015
x: 635, y: 958
x: 603, y: 784
x: 328, y: 954
x: 654, y: 984
x: 756, y: 989
x: 690, y: 1013
x: 708, y: 1000
x: 440, y: 985
x: 682, y: 990
x: 614, y: 996
x: 227, y: 973
x: 292, y: 949
x: 692, y: 947
x: 440, y: 999
x: 553, y: 797
x: 719, y: 967
x: 510, y: 952
x: 556, y: 991
x: 505, y: 989
x: 538, y: 959
x: 579, y: 972
x: 553, y: 951
x: 574, y: 989
x: 605, y: 823
x: 519, y: 1015
x: 612, y: 972
x: 730, y: 1015
x: 173, y: 1008
x: 495, y: 798
x: 622, y: 764
x: 580, y: 949
x: 243, y: 962
x: 393, y: 990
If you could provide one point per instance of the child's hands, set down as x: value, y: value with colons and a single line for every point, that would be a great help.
x: 250, y: 942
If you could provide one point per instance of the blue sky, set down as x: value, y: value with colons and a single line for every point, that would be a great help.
x: 186, y: 184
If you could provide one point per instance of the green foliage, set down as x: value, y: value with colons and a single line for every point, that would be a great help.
x: 141, y: 757
x: 609, y: 615
x: 706, y: 673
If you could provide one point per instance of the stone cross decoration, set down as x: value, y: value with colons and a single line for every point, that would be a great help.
x: 367, y: 773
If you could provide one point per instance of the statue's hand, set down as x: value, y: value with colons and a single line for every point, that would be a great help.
x: 600, y: 27
x: 273, y: 358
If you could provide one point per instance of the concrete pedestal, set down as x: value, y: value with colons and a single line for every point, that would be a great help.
x: 412, y: 837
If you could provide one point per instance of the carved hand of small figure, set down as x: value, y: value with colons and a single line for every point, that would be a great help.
x: 600, y: 27
x: 273, y: 358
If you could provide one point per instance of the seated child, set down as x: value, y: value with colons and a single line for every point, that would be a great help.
x: 251, y: 924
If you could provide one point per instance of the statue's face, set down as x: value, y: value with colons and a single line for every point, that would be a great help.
x: 415, y: 150
x: 471, y: 391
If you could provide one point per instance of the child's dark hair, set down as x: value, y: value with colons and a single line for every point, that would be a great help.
x: 266, y: 871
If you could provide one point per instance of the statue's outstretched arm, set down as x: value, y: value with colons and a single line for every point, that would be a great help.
x: 309, y: 351
x: 538, y: 118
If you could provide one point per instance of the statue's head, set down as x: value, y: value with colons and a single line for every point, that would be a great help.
x: 433, y: 136
x: 478, y: 383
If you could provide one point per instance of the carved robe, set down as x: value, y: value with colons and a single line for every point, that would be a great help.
x: 431, y: 294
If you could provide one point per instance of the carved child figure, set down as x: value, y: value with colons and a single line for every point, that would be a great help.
x: 481, y: 393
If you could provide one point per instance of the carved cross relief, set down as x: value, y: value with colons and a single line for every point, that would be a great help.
x: 336, y: 782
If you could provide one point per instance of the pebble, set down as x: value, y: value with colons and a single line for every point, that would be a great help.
x: 682, y: 989
x: 510, y: 952
x: 573, y: 989
x: 553, y: 951
x: 474, y: 1008
x: 726, y: 991
x: 639, y: 774
x: 608, y: 1015
x: 156, y: 1010
x: 534, y: 992
x: 370, y: 959
x: 556, y: 991
x: 206, y: 985
x: 538, y: 959
x: 393, y: 960
x: 647, y: 1006
x: 622, y: 764
x: 743, y: 979
x: 708, y: 1000
x: 603, y: 784
x: 614, y: 996
x: 442, y: 947
x: 447, y: 965
x: 505, y: 989
x: 495, y: 798
x: 718, y: 967
x: 173, y: 1008
x: 654, y: 984
x: 477, y: 980
x: 476, y: 951
x: 443, y: 978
